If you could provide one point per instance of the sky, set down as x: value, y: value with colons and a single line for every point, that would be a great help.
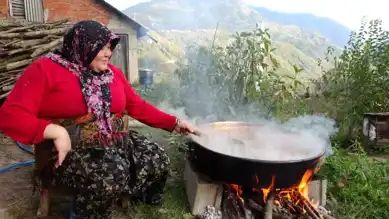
x: 346, y: 12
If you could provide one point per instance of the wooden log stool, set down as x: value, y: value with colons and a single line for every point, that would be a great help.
x: 42, y: 176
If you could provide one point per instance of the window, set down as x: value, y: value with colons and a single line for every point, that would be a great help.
x: 30, y: 10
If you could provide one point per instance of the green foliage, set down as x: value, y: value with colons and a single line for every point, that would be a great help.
x: 243, y: 65
x: 244, y: 73
x: 240, y: 73
x: 288, y: 52
x: 358, y: 83
x: 358, y: 185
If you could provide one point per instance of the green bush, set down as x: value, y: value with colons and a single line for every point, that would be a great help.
x: 359, y: 81
x: 358, y: 185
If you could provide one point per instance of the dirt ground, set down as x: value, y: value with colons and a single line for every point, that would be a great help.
x: 380, y: 156
x: 15, y: 187
x: 17, y: 199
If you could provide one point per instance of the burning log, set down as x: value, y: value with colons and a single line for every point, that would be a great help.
x: 271, y: 203
x: 258, y: 208
x: 327, y: 216
x: 242, y: 202
x: 22, y: 42
x: 268, y: 212
x: 233, y: 206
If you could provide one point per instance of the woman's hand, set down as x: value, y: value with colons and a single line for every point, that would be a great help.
x: 184, y: 128
x: 61, y: 140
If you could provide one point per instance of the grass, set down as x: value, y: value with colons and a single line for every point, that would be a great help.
x: 175, y: 204
x: 358, y: 185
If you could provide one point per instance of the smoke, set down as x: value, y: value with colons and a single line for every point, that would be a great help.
x: 318, y: 128
x: 201, y: 101
x: 299, y: 138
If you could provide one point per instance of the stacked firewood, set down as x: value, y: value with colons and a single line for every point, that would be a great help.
x: 22, y: 42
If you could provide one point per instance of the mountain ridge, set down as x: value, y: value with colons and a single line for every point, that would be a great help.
x: 336, y: 32
x: 182, y: 20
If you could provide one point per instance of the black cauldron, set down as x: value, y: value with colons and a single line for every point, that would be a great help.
x: 248, y: 172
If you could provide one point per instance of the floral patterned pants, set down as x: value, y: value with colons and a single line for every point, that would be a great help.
x: 100, y: 176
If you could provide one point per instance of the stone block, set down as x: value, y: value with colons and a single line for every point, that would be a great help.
x: 317, y: 191
x: 200, y: 191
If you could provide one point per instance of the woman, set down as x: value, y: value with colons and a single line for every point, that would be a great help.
x: 73, y: 100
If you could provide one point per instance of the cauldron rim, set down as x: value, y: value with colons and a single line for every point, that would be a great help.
x: 316, y: 157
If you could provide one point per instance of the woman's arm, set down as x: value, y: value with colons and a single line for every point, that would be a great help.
x: 18, y: 115
x: 143, y: 111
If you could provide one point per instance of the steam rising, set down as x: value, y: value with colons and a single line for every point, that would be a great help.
x: 298, y: 138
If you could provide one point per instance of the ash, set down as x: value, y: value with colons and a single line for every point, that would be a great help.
x: 210, y: 213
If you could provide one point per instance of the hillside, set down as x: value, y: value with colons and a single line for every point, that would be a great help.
x: 192, y: 14
x: 332, y: 30
x: 188, y: 21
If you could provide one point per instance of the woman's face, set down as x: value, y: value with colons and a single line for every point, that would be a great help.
x: 100, y: 62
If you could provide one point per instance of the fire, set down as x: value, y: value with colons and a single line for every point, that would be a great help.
x: 295, y: 196
x: 265, y: 191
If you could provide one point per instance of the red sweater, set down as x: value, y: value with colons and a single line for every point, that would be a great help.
x: 47, y: 90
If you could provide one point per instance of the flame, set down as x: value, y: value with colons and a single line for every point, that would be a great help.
x: 297, y: 195
x: 238, y: 190
x: 266, y: 191
x: 303, y: 186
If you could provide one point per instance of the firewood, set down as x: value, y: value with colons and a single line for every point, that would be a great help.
x: 15, y: 58
x: 268, y: 211
x: 326, y: 216
x: 12, y: 42
x: 46, y: 48
x: 17, y: 29
x: 4, y: 95
x: 12, y: 72
x: 293, y: 207
x: 15, y: 65
x: 33, y: 34
x: 7, y: 88
x: 7, y: 82
x: 254, y: 206
x: 310, y: 212
x: 57, y: 23
x: 21, y: 50
x: 31, y: 42
x: 22, y: 42
x: 276, y: 206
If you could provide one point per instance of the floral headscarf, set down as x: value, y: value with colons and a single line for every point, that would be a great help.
x: 80, y: 46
